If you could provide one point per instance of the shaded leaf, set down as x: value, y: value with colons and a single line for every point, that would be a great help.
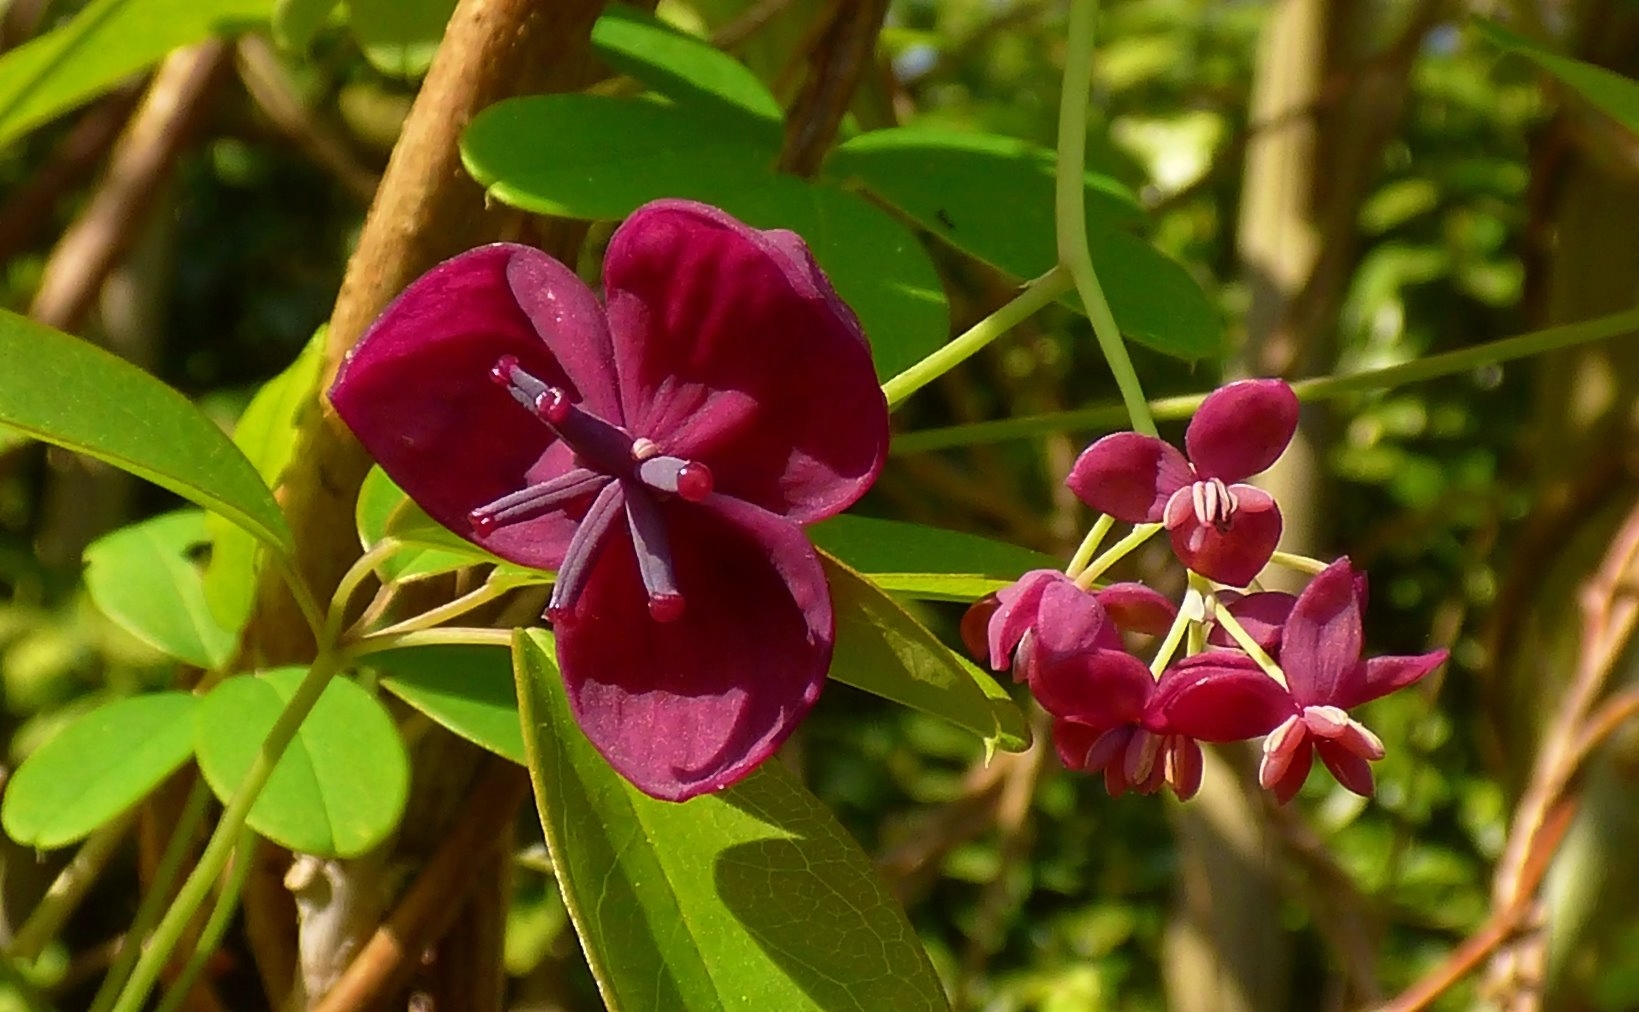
x: 873, y: 546
x: 340, y: 787
x: 884, y: 651
x: 296, y: 22
x: 399, y: 37
x: 97, y: 767
x: 467, y: 689
x: 691, y: 905
x: 62, y: 390
x: 144, y: 578
x: 1611, y: 93
x: 678, y: 65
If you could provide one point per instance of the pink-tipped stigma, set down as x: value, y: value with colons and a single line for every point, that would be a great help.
x: 694, y: 481
x: 501, y: 371
x: 553, y: 405
x: 666, y: 607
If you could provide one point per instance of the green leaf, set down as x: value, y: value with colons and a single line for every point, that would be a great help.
x: 1609, y: 92
x: 143, y: 577
x: 883, y: 650
x: 992, y: 197
x: 266, y: 434
x: 681, y: 67
x: 875, y: 546
x: 105, y: 43
x: 340, y: 787
x: 690, y: 906
x: 585, y: 156
x: 97, y: 767
x: 399, y: 37
x: 62, y: 390
x: 429, y: 548
x: 296, y: 22
x: 467, y: 689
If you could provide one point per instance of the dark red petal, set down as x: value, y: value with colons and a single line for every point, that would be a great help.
x: 558, y: 303
x: 734, y: 351
x: 1137, y: 608
x: 417, y: 392
x: 1383, y: 675
x: 1350, y: 770
x: 975, y: 627
x: 1287, y: 787
x: 1220, y: 695
x: 1263, y: 615
x: 1071, y: 620
x: 1017, y: 614
x: 1074, y: 742
x: 1099, y: 688
x: 1129, y: 475
x: 1234, y: 556
x: 1241, y: 429
x: 1320, y: 649
x: 689, y: 706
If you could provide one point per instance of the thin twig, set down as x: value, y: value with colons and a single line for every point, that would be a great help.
x: 837, y: 61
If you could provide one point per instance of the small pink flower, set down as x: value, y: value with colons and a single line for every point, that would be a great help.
x: 1223, y: 530
x: 1044, y: 612
x: 1222, y: 695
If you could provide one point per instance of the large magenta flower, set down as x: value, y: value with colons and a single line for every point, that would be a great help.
x: 1221, y: 529
x: 1223, y: 695
x: 659, y: 451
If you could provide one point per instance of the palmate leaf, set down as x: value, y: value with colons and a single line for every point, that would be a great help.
x: 62, y: 390
x: 753, y: 898
x: 340, y: 787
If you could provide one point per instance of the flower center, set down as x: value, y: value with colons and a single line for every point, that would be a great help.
x: 620, y: 474
x: 1332, y: 723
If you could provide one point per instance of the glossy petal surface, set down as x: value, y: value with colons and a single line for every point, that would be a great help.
x: 1384, y: 675
x: 681, y: 708
x: 1137, y: 608
x: 1130, y: 476
x: 732, y: 349
x: 1234, y: 556
x: 1220, y: 696
x: 1320, y: 649
x: 1100, y: 688
x: 1241, y: 429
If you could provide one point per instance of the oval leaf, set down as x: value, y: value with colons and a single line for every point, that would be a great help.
x: 873, y: 546
x: 105, y: 43
x: 1611, y: 93
x: 97, y: 767
x: 428, y: 548
x: 62, y: 390
x: 678, y: 65
x: 884, y: 651
x: 690, y: 906
x: 584, y: 156
x: 340, y: 787
x: 992, y: 197
x: 143, y: 578
x: 399, y: 37
x: 467, y: 689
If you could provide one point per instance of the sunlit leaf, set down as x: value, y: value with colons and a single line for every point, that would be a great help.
x: 678, y: 65
x: 467, y: 689
x: 144, y: 578
x: 340, y: 787
x: 97, y: 767
x: 753, y: 898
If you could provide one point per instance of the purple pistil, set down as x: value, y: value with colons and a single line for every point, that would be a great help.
x: 623, y: 472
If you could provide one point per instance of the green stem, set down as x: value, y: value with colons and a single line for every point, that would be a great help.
x: 1107, y: 416
x: 159, y: 893
x: 1070, y: 210
x: 303, y: 594
x: 210, y: 938
x: 1244, y: 640
x: 1169, y: 646
x: 463, y: 635
x: 487, y: 592
x: 226, y: 835
x: 1089, y: 545
x: 1301, y: 563
x: 355, y: 575
x: 68, y: 888
x: 1118, y: 551
x: 1036, y: 295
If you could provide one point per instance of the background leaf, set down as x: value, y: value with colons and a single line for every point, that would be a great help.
x: 467, y: 689
x: 296, y: 22
x: 97, y: 767
x: 399, y: 37
x: 992, y: 197
x: 883, y: 650
x: 106, y: 42
x: 1608, y: 91
x: 65, y: 391
x: 143, y: 577
x: 680, y: 66
x: 692, y: 905
x: 340, y: 787
x: 429, y: 548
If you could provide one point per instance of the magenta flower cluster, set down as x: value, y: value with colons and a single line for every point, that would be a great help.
x: 660, y: 449
x: 1291, y: 676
